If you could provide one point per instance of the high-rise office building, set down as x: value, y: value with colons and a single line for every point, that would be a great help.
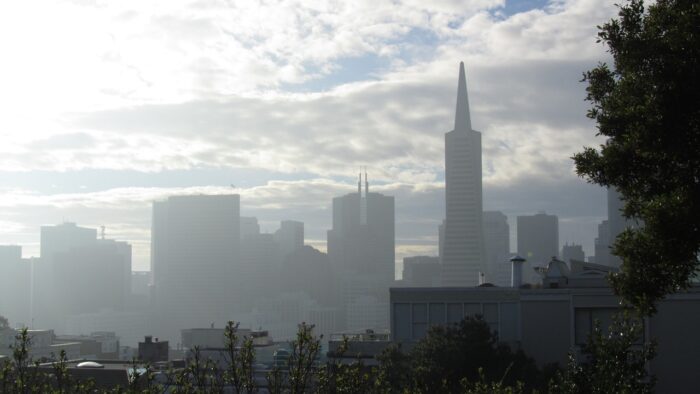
x: 290, y: 236
x: 572, y: 252
x: 361, y: 252
x: 92, y: 277
x: 463, y: 244
x: 609, y: 229
x: 14, y: 285
x: 57, y: 239
x: 249, y: 226
x: 617, y: 223
x: 361, y: 240
x: 421, y: 271
x: 497, y: 248
x: 78, y: 273
x: 259, y: 272
x: 195, y: 243
x: 538, y: 241
x: 602, y: 244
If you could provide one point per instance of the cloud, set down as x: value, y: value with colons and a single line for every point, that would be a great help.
x: 523, y: 72
x: 156, y: 88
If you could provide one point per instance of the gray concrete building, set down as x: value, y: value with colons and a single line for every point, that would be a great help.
x: 78, y: 273
x: 538, y: 241
x: 602, y: 244
x: 153, y: 350
x: 61, y: 238
x: 497, y: 247
x: 195, y: 244
x: 15, y: 282
x: 91, y: 278
x: 290, y: 236
x: 548, y: 322
x: 462, y: 246
x: 361, y: 253
x: 572, y: 252
x: 421, y: 271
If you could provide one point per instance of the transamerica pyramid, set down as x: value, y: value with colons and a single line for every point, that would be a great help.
x: 463, y: 240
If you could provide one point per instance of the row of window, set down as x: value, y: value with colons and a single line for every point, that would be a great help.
x: 411, y: 320
x: 585, y: 320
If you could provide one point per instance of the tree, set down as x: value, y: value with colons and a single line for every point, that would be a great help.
x: 451, y: 355
x: 648, y: 107
x: 303, y: 359
x: 393, y: 372
x: 614, y: 360
x: 4, y: 323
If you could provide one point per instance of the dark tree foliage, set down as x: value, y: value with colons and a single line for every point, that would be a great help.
x: 393, y: 372
x: 303, y: 359
x: 648, y: 107
x: 612, y: 361
x: 452, y: 354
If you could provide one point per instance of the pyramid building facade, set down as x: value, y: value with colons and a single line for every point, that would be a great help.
x: 462, y: 254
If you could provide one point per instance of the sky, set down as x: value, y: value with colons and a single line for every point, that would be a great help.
x: 106, y: 107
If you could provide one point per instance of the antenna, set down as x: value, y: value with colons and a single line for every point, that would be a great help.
x: 366, y: 183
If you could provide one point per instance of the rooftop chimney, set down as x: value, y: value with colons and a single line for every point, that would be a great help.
x: 516, y: 279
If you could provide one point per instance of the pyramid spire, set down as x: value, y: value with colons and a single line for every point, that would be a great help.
x: 462, y: 120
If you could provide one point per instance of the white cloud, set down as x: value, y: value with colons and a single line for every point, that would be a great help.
x: 163, y: 85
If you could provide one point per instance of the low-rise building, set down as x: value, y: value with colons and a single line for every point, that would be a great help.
x: 98, y: 345
x: 348, y: 347
x: 153, y: 351
x: 42, y: 344
x: 550, y: 320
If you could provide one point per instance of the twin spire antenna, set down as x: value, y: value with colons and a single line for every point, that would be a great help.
x: 359, y: 183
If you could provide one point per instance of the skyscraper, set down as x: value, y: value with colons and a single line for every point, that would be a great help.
x: 602, y: 244
x: 572, y: 252
x: 538, y: 241
x: 361, y: 253
x: 54, y: 240
x: 14, y: 285
x: 617, y: 223
x: 463, y: 243
x: 194, y: 248
x: 290, y: 236
x: 609, y: 229
x: 78, y: 273
x: 497, y: 247
x: 362, y: 238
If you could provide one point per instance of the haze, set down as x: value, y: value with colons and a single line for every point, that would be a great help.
x: 110, y: 106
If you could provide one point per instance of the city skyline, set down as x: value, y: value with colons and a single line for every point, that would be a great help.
x: 97, y: 155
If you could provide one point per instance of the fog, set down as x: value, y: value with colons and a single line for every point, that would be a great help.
x: 175, y: 167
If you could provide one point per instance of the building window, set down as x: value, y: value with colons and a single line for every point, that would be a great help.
x: 437, y: 314
x: 472, y: 309
x: 491, y: 315
x: 585, y: 318
x: 420, y: 320
x: 508, y: 321
x: 402, y: 321
x: 455, y: 313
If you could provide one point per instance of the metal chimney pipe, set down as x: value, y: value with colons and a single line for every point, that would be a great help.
x: 516, y: 278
